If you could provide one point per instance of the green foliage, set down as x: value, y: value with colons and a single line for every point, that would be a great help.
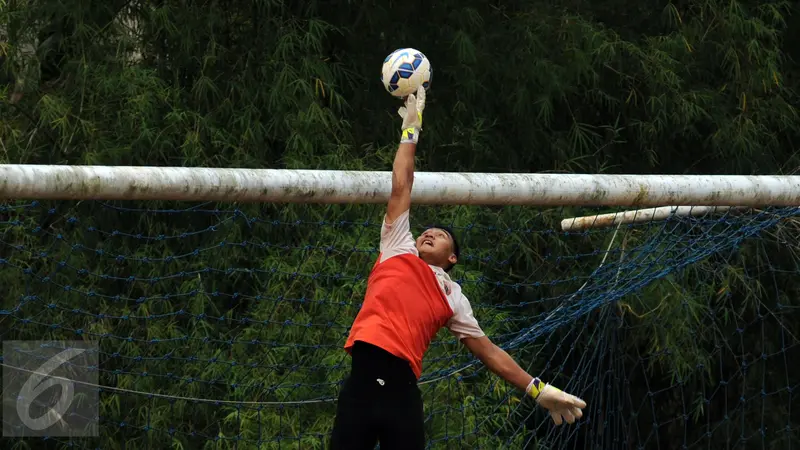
x: 704, y: 87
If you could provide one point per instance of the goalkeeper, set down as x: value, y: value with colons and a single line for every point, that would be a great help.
x: 409, y: 298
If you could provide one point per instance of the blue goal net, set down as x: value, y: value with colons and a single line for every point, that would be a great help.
x: 221, y: 326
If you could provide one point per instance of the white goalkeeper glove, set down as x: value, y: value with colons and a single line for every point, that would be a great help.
x: 411, y: 114
x: 562, y: 406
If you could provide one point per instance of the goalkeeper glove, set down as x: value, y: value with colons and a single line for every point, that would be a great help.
x: 560, y: 405
x: 411, y: 114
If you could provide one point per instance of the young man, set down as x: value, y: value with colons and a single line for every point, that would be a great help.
x: 409, y: 298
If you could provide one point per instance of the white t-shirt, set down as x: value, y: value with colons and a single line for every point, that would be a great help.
x: 396, y: 239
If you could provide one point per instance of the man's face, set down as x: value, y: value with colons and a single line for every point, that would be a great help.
x: 435, y: 246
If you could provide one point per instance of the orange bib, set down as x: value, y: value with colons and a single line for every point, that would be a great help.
x: 403, y: 309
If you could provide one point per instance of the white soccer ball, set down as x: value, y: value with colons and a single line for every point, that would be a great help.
x: 404, y: 71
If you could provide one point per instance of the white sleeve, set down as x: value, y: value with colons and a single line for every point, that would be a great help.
x: 463, y: 323
x: 396, y: 238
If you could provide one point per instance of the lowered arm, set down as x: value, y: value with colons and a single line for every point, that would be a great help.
x: 561, y: 406
x: 498, y: 361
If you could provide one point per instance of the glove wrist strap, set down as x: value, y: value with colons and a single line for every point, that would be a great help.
x: 409, y: 135
x: 535, y: 388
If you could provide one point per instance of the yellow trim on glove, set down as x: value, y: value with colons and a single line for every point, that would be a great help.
x: 409, y: 136
x: 535, y: 388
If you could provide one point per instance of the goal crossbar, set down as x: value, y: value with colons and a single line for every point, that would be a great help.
x: 55, y: 182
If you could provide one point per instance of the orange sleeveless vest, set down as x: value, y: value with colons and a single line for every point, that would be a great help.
x: 403, y: 309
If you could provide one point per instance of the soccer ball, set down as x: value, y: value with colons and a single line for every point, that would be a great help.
x: 404, y: 71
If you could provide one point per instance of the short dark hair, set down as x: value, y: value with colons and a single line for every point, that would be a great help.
x: 456, y: 249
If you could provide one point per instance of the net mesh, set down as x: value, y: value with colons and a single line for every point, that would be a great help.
x: 221, y: 326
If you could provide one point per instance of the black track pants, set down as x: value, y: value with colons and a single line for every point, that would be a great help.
x: 379, y: 402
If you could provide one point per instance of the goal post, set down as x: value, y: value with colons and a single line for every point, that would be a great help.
x: 55, y: 182
x: 643, y: 215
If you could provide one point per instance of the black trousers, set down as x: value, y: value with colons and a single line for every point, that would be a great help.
x: 379, y: 402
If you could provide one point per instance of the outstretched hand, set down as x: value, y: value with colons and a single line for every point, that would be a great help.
x: 561, y: 406
x: 411, y: 113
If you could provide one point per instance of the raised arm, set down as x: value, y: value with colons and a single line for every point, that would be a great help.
x: 403, y: 167
x: 402, y: 181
